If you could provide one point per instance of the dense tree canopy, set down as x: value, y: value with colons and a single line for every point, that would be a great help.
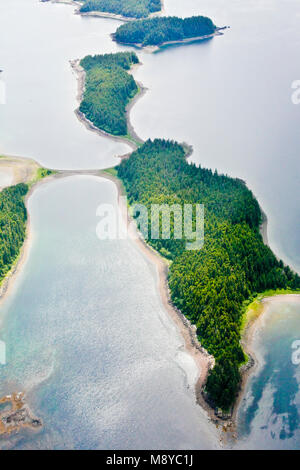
x: 155, y: 31
x: 108, y: 90
x: 128, y: 8
x: 209, y: 285
x: 13, y: 218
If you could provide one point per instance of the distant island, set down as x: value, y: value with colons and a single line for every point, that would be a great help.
x: 125, y: 8
x: 164, y: 30
x: 108, y: 90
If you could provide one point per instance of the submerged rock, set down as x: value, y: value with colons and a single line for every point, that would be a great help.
x: 18, y: 416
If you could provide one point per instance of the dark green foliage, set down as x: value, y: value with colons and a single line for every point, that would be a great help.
x: 120, y: 59
x: 155, y: 31
x: 209, y: 285
x: 44, y: 172
x: 128, y: 8
x: 12, y: 225
x: 108, y: 90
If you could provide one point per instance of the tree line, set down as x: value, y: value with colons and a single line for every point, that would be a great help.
x: 156, y: 31
x: 108, y: 90
x: 127, y: 8
x: 13, y: 218
x: 210, y: 286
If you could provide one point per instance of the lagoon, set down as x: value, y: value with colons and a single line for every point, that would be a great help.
x: 88, y: 338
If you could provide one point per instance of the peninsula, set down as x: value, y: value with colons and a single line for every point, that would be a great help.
x: 211, y: 286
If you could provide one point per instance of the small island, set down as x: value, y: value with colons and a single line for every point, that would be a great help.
x: 109, y: 88
x: 165, y: 30
x: 131, y: 9
x: 16, y: 415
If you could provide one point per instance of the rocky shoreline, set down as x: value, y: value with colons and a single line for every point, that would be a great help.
x: 102, y: 14
x: 19, y: 415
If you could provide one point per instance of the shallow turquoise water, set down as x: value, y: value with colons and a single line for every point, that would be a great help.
x: 270, y: 412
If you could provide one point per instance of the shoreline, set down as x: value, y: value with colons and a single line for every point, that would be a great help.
x: 203, y: 360
x: 258, y: 308
x: 18, y: 417
x: 254, y: 326
x: 156, y: 48
x: 80, y: 77
x: 103, y: 14
x: 263, y: 229
x: 8, y: 281
x: 20, y: 414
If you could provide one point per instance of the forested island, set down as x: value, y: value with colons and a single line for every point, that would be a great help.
x: 161, y: 30
x: 126, y: 8
x: 13, y: 218
x: 108, y: 90
x: 210, y: 286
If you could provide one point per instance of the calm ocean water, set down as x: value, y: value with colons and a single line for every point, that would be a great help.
x: 88, y: 338
x: 231, y: 99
